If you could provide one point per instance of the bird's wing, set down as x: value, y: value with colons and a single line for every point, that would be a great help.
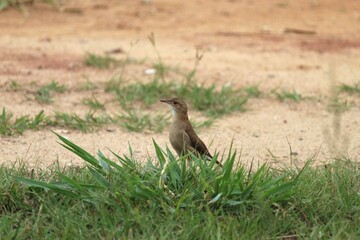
x: 195, y: 142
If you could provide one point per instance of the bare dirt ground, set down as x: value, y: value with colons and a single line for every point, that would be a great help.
x: 245, y: 43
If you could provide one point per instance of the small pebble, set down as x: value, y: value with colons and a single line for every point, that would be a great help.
x: 150, y: 71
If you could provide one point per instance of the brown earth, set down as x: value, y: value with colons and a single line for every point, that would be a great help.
x: 274, y: 44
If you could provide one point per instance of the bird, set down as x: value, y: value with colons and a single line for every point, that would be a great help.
x: 182, y: 135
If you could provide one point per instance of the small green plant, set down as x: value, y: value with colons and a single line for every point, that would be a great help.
x: 20, y: 124
x: 160, y: 67
x: 284, y: 95
x: 93, y: 103
x: 191, y: 75
x: 5, y: 126
x: 136, y: 121
x: 252, y: 91
x: 132, y: 121
x: 87, y: 86
x: 15, y: 86
x: 147, y: 93
x: 215, y: 102
x: 100, y: 61
x: 351, y: 89
x: 338, y: 105
x: 160, y: 70
x: 87, y: 123
x: 114, y: 84
x: 4, y: 4
x: 44, y: 94
x: 202, y: 124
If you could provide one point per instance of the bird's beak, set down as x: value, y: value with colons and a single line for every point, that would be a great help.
x: 165, y: 101
x: 169, y: 103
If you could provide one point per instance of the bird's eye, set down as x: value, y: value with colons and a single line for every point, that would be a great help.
x: 175, y: 103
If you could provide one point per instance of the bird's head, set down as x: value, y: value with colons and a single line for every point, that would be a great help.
x: 177, y: 105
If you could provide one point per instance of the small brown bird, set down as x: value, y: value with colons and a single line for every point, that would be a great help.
x: 182, y: 135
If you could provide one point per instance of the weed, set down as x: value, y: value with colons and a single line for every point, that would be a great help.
x: 15, y: 86
x: 93, y: 103
x: 202, y: 124
x: 252, y: 91
x: 114, y: 84
x: 5, y: 127
x: 4, y: 4
x: 148, y: 93
x: 160, y: 70
x: 44, y: 94
x: 284, y: 95
x: 100, y: 61
x: 8, y: 128
x: 214, y: 102
x: 135, y: 121
x: 337, y: 105
x: 87, y: 86
x: 351, y: 89
x: 191, y: 75
x: 132, y: 121
x: 85, y: 124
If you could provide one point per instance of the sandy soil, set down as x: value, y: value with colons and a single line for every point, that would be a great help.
x: 245, y: 43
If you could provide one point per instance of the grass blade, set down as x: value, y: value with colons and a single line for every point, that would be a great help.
x: 79, y: 151
x: 99, y: 178
x: 46, y: 186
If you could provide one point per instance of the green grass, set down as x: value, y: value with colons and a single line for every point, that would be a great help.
x: 93, y: 103
x: 146, y: 93
x: 135, y: 121
x: 202, y: 124
x: 15, y: 86
x: 170, y: 199
x: 351, y: 89
x: 284, y: 95
x: 44, y: 94
x: 87, y: 86
x: 214, y: 102
x: 20, y: 124
x: 4, y: 4
x: 338, y: 105
x: 10, y: 126
x: 100, y: 61
x: 252, y: 91
x: 88, y: 123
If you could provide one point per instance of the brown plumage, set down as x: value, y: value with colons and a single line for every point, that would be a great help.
x: 182, y: 135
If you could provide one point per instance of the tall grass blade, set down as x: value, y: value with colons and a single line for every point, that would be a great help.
x: 79, y: 151
x: 46, y: 186
x: 103, y: 161
x: 159, y: 154
x: 99, y: 178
